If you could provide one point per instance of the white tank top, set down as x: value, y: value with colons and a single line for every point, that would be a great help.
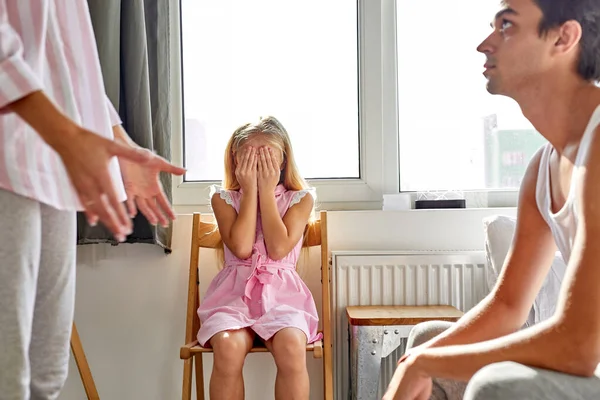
x: 564, y: 222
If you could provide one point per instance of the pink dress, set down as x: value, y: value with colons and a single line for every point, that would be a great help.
x: 259, y: 293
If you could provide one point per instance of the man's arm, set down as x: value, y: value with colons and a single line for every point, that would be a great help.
x: 568, y: 342
x: 506, y: 308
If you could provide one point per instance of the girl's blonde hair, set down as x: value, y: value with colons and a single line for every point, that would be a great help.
x: 278, y: 137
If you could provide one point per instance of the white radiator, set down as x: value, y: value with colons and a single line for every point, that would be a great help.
x: 399, y: 278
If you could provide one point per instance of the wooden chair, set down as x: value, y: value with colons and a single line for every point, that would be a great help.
x: 205, y: 236
x: 82, y: 365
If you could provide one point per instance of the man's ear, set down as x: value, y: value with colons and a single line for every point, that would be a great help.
x: 568, y: 37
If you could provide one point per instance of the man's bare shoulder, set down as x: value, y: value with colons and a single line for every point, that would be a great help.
x: 531, y: 173
x: 588, y: 163
x: 591, y: 148
x: 534, y: 163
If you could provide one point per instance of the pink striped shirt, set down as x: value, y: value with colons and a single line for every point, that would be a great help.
x: 49, y: 45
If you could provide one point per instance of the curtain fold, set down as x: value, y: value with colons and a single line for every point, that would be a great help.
x: 133, y: 45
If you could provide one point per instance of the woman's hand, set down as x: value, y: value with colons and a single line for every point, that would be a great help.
x: 86, y: 157
x: 268, y: 171
x: 145, y: 191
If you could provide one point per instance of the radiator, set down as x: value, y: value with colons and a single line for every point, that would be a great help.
x: 399, y: 278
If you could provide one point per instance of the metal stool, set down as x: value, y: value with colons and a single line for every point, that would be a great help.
x: 376, y: 331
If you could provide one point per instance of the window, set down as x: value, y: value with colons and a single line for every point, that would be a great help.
x: 452, y: 133
x: 379, y: 97
x: 297, y: 61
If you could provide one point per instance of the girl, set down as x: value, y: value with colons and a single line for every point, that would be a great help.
x: 261, y: 211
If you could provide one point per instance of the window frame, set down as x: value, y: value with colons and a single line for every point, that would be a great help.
x: 379, y: 163
x: 377, y: 123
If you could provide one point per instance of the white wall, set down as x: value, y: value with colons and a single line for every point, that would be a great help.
x: 131, y: 299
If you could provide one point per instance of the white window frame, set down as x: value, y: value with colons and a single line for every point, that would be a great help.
x: 378, y: 123
x: 486, y: 198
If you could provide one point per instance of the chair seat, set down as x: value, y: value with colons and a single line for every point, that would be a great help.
x: 194, y: 348
x: 400, y: 315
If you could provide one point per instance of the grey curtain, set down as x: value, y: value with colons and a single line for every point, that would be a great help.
x: 133, y: 45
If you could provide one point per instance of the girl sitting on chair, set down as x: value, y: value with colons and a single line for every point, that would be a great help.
x: 262, y: 211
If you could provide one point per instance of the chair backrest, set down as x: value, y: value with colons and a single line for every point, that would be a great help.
x: 206, y: 235
x: 210, y: 238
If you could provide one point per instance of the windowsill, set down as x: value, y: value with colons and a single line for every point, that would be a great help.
x: 335, y: 194
x: 474, y: 199
x: 391, y: 202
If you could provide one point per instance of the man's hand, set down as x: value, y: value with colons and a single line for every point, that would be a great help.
x: 408, y: 383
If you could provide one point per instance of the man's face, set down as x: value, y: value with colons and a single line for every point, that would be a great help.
x: 516, y: 55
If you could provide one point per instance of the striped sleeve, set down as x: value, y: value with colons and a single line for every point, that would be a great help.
x: 115, y: 119
x: 17, y: 79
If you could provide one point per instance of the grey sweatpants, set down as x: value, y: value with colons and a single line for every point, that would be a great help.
x: 507, y: 380
x: 37, y: 283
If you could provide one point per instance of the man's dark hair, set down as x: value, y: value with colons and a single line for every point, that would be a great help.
x: 587, y: 13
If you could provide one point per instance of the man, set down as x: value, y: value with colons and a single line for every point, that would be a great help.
x: 545, y: 54
x: 59, y: 136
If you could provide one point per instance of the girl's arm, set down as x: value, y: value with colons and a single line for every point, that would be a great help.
x: 282, y: 234
x: 238, y: 231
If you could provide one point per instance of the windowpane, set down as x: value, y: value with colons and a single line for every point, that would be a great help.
x: 453, y: 133
x: 297, y: 61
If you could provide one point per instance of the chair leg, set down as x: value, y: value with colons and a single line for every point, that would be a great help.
x: 199, y: 367
x: 327, y: 373
x: 186, y: 392
x: 328, y: 386
x: 82, y: 365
